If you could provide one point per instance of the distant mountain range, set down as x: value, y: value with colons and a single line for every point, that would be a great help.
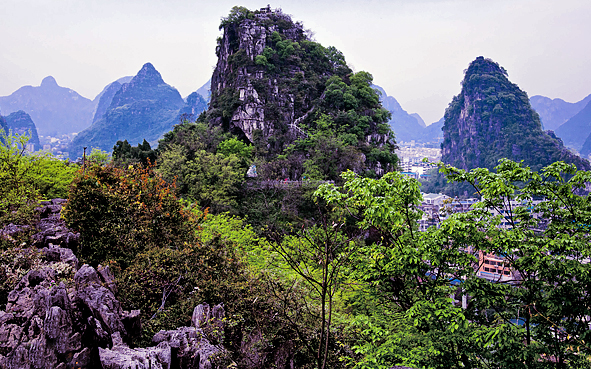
x: 56, y: 110
x: 575, y: 131
x: 554, y: 112
x: 143, y: 108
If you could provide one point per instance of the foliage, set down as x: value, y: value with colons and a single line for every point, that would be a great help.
x: 98, y: 156
x: 17, y: 190
x: 122, y: 212
x: 522, y: 321
x: 125, y: 154
x: 15, y: 262
x: 166, y: 284
x: 319, y: 258
x: 210, y: 179
x: 237, y: 14
x: 236, y: 147
x: 26, y: 178
x: 52, y: 177
x: 208, y: 164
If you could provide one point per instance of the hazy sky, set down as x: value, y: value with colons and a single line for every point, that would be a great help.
x: 415, y: 49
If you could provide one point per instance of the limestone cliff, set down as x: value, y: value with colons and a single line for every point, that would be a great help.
x: 491, y: 119
x: 272, y: 84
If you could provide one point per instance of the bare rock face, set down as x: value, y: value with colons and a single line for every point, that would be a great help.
x: 262, y: 100
x: 60, y: 316
x: 184, y: 348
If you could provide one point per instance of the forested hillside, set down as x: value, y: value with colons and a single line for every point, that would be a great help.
x: 492, y: 119
x: 274, y: 230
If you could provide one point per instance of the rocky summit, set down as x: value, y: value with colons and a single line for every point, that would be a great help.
x: 65, y: 315
x: 272, y: 85
x: 491, y: 119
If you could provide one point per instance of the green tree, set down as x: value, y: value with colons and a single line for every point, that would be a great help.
x: 26, y: 178
x: 210, y: 179
x: 122, y: 212
x: 535, y: 318
x: 320, y: 257
x: 125, y: 154
x: 17, y: 189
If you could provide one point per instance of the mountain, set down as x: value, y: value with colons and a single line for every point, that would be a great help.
x: 194, y: 105
x: 21, y: 123
x: 586, y: 149
x: 103, y: 100
x: 144, y: 108
x: 419, y: 119
x: 3, y: 128
x: 205, y: 90
x: 554, y: 112
x: 574, y: 131
x: 433, y: 133
x: 491, y: 119
x: 405, y: 126
x: 284, y: 93
x: 56, y: 110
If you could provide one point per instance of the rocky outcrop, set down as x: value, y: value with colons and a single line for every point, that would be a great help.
x: 491, y: 119
x: 184, y: 348
x: 62, y: 315
x: 261, y: 101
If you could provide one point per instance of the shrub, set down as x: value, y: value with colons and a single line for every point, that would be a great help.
x: 122, y: 212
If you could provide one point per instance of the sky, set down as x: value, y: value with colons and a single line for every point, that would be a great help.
x: 417, y: 50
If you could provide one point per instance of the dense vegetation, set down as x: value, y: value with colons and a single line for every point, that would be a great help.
x: 330, y: 271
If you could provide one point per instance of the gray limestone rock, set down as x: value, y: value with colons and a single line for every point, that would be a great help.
x: 59, y: 316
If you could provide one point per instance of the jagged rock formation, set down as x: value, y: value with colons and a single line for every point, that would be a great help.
x: 56, y: 110
x: 272, y: 84
x: 258, y: 99
x: 492, y: 119
x: 21, y: 123
x: 61, y: 315
x: 554, y: 112
x: 144, y: 108
x: 574, y: 131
